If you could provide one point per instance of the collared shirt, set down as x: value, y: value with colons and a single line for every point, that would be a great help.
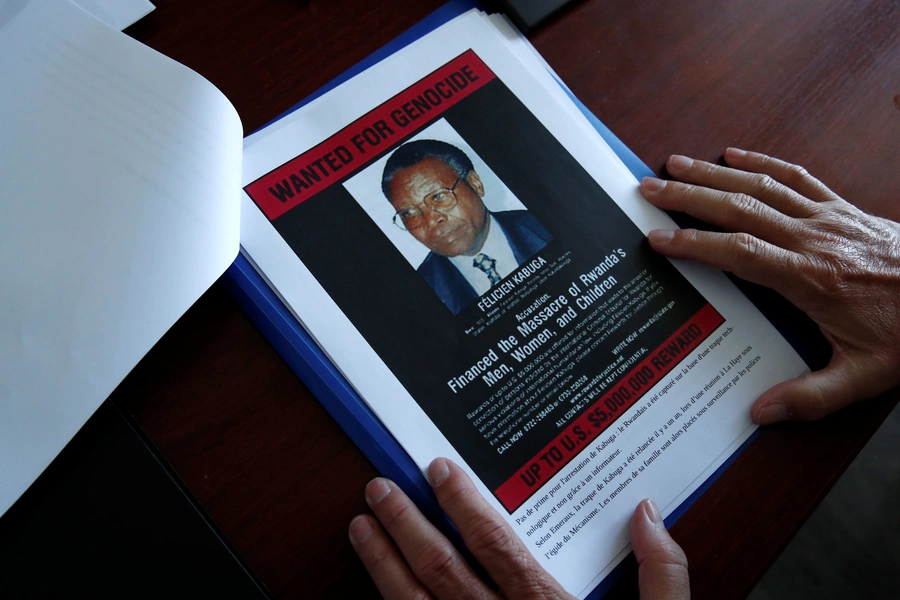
x: 496, y: 246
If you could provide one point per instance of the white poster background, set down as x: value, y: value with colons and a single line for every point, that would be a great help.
x: 603, y: 542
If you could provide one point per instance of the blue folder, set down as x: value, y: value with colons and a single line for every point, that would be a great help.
x: 311, y: 364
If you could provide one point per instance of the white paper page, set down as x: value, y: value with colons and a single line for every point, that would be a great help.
x: 121, y: 172
x: 117, y: 13
x: 580, y: 562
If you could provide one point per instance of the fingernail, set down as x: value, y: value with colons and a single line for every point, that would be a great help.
x: 773, y: 413
x: 652, y: 512
x: 679, y: 162
x: 360, y: 530
x: 736, y: 152
x: 438, y: 472
x: 652, y: 184
x: 660, y: 236
x: 376, y: 490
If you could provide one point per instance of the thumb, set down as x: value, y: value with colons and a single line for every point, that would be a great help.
x: 662, y: 565
x: 813, y: 395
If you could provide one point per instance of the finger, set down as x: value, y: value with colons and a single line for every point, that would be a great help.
x: 662, y: 565
x: 793, y: 176
x: 814, y: 395
x: 758, y: 185
x: 744, y: 255
x: 491, y: 540
x: 733, y: 211
x: 433, y: 559
x: 389, y: 571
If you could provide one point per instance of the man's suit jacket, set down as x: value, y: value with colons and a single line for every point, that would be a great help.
x: 525, y: 235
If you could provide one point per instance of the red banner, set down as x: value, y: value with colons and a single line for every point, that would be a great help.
x: 609, y: 407
x: 368, y: 137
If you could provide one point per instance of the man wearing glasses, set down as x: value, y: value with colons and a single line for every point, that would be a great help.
x: 437, y: 196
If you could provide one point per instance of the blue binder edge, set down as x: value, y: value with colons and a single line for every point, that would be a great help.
x: 345, y: 406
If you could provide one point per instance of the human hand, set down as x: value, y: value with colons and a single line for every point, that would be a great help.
x: 787, y: 231
x: 408, y: 557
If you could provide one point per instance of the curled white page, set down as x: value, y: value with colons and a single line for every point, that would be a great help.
x: 120, y: 207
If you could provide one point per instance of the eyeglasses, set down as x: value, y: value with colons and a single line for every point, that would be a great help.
x: 442, y: 200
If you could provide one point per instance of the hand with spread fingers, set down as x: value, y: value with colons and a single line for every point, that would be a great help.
x: 408, y: 558
x: 785, y: 230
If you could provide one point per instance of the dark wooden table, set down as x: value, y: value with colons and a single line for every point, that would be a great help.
x: 817, y: 83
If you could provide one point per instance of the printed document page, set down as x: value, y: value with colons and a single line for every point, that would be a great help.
x: 121, y: 174
x: 473, y: 258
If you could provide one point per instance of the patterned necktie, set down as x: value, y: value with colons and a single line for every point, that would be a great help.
x: 488, y: 265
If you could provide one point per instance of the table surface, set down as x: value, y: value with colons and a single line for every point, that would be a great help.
x: 816, y: 83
